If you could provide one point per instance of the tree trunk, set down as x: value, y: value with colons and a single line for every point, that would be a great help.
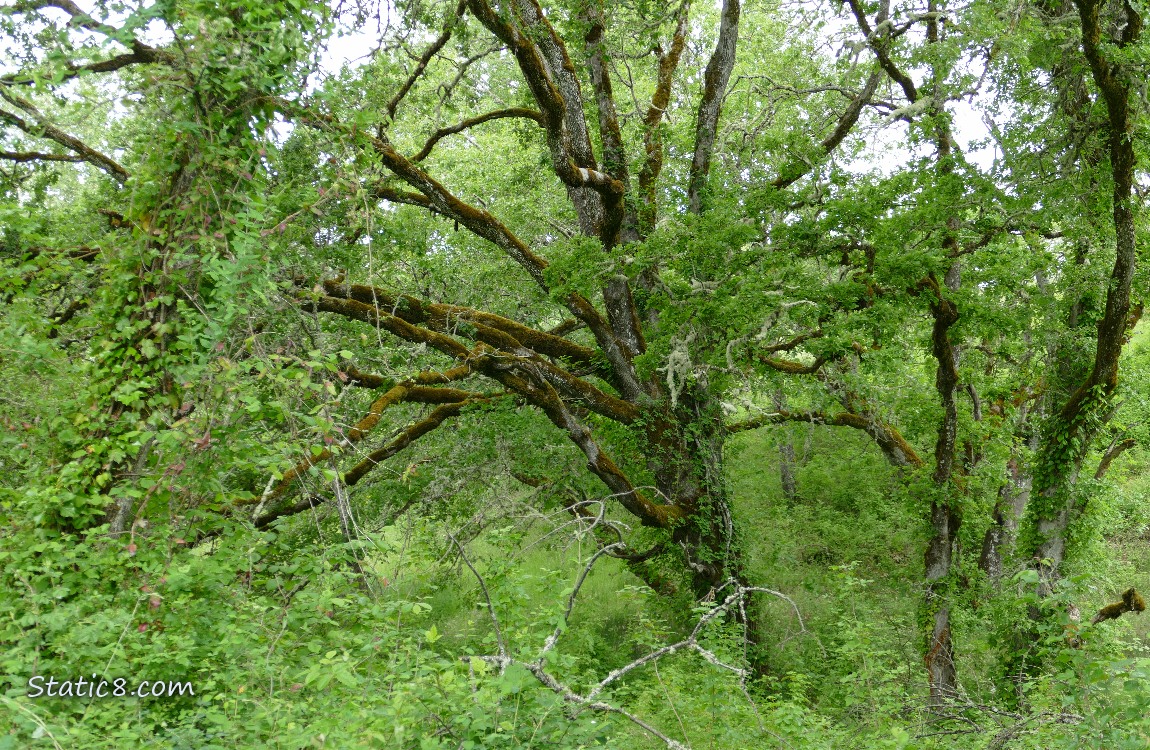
x: 939, y: 658
x: 687, y: 460
x: 787, y: 460
x: 944, y: 516
x: 787, y: 468
x: 1067, y: 438
x: 1008, y: 509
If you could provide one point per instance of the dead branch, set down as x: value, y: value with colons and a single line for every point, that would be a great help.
x: 591, y: 700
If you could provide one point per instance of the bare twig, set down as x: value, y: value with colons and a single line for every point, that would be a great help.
x: 554, y: 637
x: 503, y: 657
x: 590, y: 700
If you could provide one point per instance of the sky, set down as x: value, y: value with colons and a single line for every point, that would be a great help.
x: 355, y: 46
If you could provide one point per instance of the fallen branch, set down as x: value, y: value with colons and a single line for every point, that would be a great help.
x: 591, y: 699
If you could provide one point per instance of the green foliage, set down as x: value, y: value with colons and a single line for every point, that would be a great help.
x: 282, y: 648
x: 164, y: 370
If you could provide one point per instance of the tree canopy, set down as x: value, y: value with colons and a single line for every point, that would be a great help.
x: 574, y: 374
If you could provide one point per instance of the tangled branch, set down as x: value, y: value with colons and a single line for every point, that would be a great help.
x: 591, y: 700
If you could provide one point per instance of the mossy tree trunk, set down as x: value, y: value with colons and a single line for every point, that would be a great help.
x: 1055, y: 505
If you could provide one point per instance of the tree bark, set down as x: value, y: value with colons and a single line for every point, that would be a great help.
x: 944, y: 516
x: 787, y: 460
x: 1008, y: 509
x: 1067, y: 439
x: 715, y: 80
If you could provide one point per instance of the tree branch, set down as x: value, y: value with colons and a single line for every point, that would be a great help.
x: 356, y: 473
x: 45, y: 129
x: 715, y: 80
x: 141, y: 53
x: 499, y: 114
x: 893, y: 445
x: 366, y: 305
x: 550, y: 75
x: 845, y: 122
x: 431, y: 51
x: 410, y: 435
x: 541, y: 384
x: 794, y: 368
x: 487, y: 327
x: 653, y: 134
x: 620, y: 222
x: 416, y: 390
x: 1114, y: 451
x: 25, y: 156
x: 877, y: 40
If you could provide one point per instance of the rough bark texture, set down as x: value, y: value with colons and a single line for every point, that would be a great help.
x: 1068, y: 438
x: 715, y: 80
x: 680, y: 434
x: 1008, y: 509
x: 944, y: 515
